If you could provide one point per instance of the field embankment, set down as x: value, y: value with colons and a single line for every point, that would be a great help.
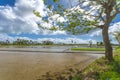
x: 101, y: 69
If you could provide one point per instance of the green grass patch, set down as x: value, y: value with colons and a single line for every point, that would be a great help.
x: 101, y: 69
x: 89, y: 49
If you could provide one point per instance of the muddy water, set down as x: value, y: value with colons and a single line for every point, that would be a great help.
x: 31, y: 65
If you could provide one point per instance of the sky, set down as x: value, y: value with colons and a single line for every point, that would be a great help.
x: 18, y: 21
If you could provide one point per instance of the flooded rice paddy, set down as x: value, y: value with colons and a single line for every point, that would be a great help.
x: 26, y: 65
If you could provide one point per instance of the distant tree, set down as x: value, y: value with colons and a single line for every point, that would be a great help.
x: 24, y: 42
x: 100, y: 43
x: 47, y: 42
x: 97, y: 43
x: 7, y: 42
x: 90, y: 43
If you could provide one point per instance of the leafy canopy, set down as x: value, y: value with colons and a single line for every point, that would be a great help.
x: 84, y: 16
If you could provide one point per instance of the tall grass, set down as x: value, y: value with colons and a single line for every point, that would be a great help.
x: 102, y: 69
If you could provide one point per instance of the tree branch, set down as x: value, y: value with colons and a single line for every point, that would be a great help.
x: 99, y: 26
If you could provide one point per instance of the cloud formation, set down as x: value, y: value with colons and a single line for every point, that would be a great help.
x: 20, y: 18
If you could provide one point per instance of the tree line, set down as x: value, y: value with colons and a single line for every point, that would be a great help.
x: 26, y: 42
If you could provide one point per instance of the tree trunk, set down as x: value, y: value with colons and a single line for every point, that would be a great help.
x: 108, y: 47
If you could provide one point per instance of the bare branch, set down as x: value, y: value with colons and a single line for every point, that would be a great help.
x: 99, y: 26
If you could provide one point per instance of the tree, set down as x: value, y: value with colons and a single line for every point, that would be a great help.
x: 103, y: 12
x: 47, y: 42
x: 90, y: 43
x: 88, y: 15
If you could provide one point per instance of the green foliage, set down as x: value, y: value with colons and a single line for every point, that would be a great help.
x: 56, y: 1
x: 102, y: 69
x: 118, y: 0
x: 110, y: 75
x: 53, y: 28
x: 60, y: 6
x: 100, y: 43
x: 49, y: 6
x: 37, y: 13
x: 47, y: 42
x: 78, y: 24
x: 114, y: 70
x: 77, y: 77
x: 76, y: 17
x: 117, y: 50
x: 89, y: 49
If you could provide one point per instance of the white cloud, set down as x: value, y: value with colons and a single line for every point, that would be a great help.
x: 20, y: 18
x: 25, y: 7
x: 96, y: 33
x: 4, y: 37
x: 59, y: 32
x: 115, y: 27
x: 58, y: 18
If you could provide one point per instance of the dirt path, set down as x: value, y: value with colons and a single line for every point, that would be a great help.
x: 39, y: 65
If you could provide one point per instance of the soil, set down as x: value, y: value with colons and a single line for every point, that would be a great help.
x: 42, y: 66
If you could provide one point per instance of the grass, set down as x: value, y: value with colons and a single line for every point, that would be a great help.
x: 101, y: 69
x: 89, y: 49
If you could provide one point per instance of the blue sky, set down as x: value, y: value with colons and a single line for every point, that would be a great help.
x: 17, y: 20
x: 7, y: 2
